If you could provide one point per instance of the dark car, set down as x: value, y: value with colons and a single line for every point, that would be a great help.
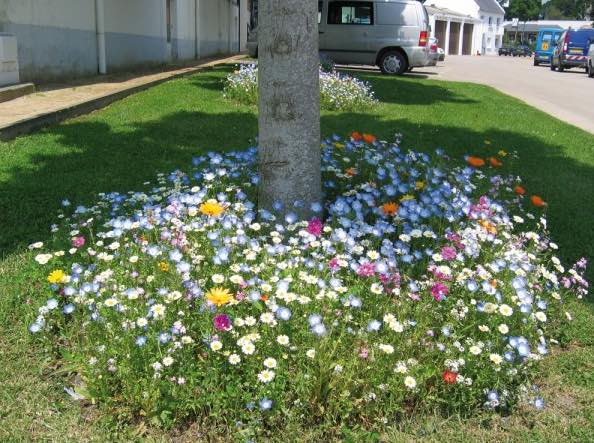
x: 571, y: 50
x: 505, y: 50
x: 522, y: 51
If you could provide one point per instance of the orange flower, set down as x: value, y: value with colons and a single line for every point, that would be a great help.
x: 356, y: 136
x: 390, y: 208
x: 264, y: 297
x: 495, y: 163
x: 519, y: 190
x: 489, y: 227
x: 475, y: 162
x: 537, y: 201
x: 368, y: 138
x: 350, y: 171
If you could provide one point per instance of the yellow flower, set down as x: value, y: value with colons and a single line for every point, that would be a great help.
x: 219, y: 296
x: 211, y: 208
x: 487, y: 142
x: 419, y: 185
x: 502, y: 153
x: 164, y: 266
x: 339, y: 145
x: 56, y: 276
x: 407, y: 197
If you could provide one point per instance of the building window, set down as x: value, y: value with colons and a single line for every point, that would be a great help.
x: 498, y: 21
x: 350, y: 13
x: 490, y: 20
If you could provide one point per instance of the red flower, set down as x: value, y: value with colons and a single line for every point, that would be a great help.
x: 449, y: 377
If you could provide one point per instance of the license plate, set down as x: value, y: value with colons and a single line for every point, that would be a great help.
x: 545, y: 46
x: 576, y: 51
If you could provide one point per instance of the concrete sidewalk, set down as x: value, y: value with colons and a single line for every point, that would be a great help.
x: 55, y: 103
x: 569, y: 95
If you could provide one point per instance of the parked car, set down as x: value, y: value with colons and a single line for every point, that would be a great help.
x: 441, y: 54
x: 545, y: 43
x: 433, y: 52
x: 505, y: 50
x: 571, y: 50
x: 590, y: 65
x: 391, y: 34
x: 521, y: 51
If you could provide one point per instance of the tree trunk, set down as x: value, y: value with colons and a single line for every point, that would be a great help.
x: 289, y: 105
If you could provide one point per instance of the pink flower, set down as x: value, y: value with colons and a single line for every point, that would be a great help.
x: 448, y: 253
x: 222, y: 322
x: 363, y: 353
x: 366, y: 270
x: 78, y: 242
x: 333, y: 264
x: 439, y: 291
x: 314, y: 226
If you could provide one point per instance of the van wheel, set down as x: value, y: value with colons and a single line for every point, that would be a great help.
x: 590, y: 70
x: 561, y: 67
x: 553, y: 67
x: 536, y: 62
x: 393, y: 63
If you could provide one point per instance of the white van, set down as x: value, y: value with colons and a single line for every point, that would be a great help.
x: 392, y: 34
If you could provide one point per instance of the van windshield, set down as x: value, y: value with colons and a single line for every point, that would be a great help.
x: 547, y: 36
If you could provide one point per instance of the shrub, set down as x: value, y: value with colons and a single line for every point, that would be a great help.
x: 338, y: 92
x: 429, y: 284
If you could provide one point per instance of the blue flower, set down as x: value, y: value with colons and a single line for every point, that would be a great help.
x: 69, y: 308
x: 283, y: 313
x: 265, y: 404
x: 140, y: 341
x: 374, y: 326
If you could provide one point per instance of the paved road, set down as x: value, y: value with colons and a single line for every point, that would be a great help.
x: 567, y: 95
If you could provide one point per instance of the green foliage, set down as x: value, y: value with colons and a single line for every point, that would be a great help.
x: 161, y: 129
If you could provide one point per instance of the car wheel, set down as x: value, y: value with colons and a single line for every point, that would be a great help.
x: 393, y: 63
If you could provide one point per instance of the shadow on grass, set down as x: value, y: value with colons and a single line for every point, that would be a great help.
x: 97, y: 159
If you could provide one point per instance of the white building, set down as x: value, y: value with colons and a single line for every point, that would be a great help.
x: 466, y: 27
x: 59, y: 39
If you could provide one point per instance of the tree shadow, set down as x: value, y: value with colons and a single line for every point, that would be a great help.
x: 89, y: 156
x: 103, y: 161
x: 568, y: 217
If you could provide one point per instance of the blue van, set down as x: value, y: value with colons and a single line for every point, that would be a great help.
x: 545, y: 43
x: 571, y: 50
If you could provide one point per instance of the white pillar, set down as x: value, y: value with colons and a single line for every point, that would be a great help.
x: 100, y: 25
x: 461, y: 38
x: 432, y: 24
x: 447, y: 38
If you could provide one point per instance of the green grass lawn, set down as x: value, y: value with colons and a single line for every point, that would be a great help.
x: 119, y: 148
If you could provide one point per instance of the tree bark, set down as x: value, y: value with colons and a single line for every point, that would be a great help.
x: 289, y: 105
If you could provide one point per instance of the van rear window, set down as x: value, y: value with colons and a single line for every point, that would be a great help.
x: 350, y: 13
x: 404, y: 14
x: 581, y: 37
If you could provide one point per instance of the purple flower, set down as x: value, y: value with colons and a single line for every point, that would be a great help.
x: 448, y: 253
x: 222, y: 322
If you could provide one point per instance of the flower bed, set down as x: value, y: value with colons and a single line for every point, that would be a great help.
x: 337, y: 91
x: 427, y: 284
